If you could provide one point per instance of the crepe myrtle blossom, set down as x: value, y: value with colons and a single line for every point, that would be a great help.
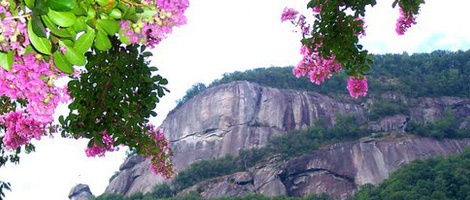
x: 357, y: 86
x: 160, y: 162
x: 404, y: 22
x: 289, y: 14
x: 107, y: 144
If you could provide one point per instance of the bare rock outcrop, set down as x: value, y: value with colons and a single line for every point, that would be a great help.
x: 81, y: 192
x: 134, y: 176
x: 339, y: 169
x: 242, y: 115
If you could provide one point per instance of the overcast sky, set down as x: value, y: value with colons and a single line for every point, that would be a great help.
x: 225, y: 36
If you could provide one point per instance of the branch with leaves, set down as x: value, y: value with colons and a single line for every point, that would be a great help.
x: 100, y: 46
x: 331, y: 43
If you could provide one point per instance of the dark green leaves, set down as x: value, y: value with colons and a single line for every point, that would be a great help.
x: 38, y: 26
x: 40, y: 7
x: 117, y: 93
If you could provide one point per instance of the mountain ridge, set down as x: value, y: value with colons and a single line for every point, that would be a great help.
x: 261, y: 112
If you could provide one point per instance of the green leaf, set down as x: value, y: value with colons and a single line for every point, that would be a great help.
x: 148, y: 13
x: 43, y: 45
x: 123, y: 38
x: 6, y: 60
x: 54, y: 29
x: 91, y: 143
x: 110, y: 26
x: 116, y: 13
x: 79, y: 9
x: 102, y: 2
x: 102, y: 41
x: 13, y: 8
x: 29, y: 3
x: 63, y: 19
x: 61, y: 5
x: 80, y: 24
x: 163, y: 81
x: 40, y: 7
x: 38, y: 26
x: 394, y: 3
x: 61, y: 62
x: 72, y: 55
x: 84, y: 42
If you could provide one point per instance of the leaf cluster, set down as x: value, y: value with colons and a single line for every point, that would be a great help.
x: 73, y: 25
x: 118, y: 94
x: 336, y: 31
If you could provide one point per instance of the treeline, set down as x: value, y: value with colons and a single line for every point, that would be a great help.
x: 440, y: 73
x: 435, y: 178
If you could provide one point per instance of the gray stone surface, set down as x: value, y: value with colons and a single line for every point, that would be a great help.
x: 339, y: 169
x: 242, y: 115
x: 80, y: 192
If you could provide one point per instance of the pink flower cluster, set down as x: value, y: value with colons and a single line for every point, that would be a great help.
x: 160, y: 163
x: 97, y: 150
x: 21, y: 128
x: 315, y: 66
x: 357, y: 86
x: 150, y: 31
x: 32, y: 80
x: 289, y: 14
x: 13, y: 32
x: 404, y: 22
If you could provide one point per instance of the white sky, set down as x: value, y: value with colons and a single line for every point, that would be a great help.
x: 225, y: 36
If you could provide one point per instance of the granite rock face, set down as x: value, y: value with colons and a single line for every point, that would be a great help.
x: 134, y: 176
x: 81, y: 192
x: 338, y: 170
x: 242, y: 115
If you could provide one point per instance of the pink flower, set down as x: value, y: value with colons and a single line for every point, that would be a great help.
x: 404, y: 22
x: 362, y: 31
x: 357, y: 86
x: 317, y: 9
x: 288, y: 14
x: 315, y: 67
x: 20, y: 129
x: 97, y: 150
x: 160, y: 163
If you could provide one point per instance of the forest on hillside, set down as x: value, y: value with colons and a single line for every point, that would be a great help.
x: 440, y: 73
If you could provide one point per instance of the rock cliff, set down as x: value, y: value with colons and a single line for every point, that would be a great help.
x: 224, y: 119
x: 339, y: 169
x: 81, y: 192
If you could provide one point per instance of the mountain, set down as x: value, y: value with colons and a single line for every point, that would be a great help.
x: 243, y: 115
